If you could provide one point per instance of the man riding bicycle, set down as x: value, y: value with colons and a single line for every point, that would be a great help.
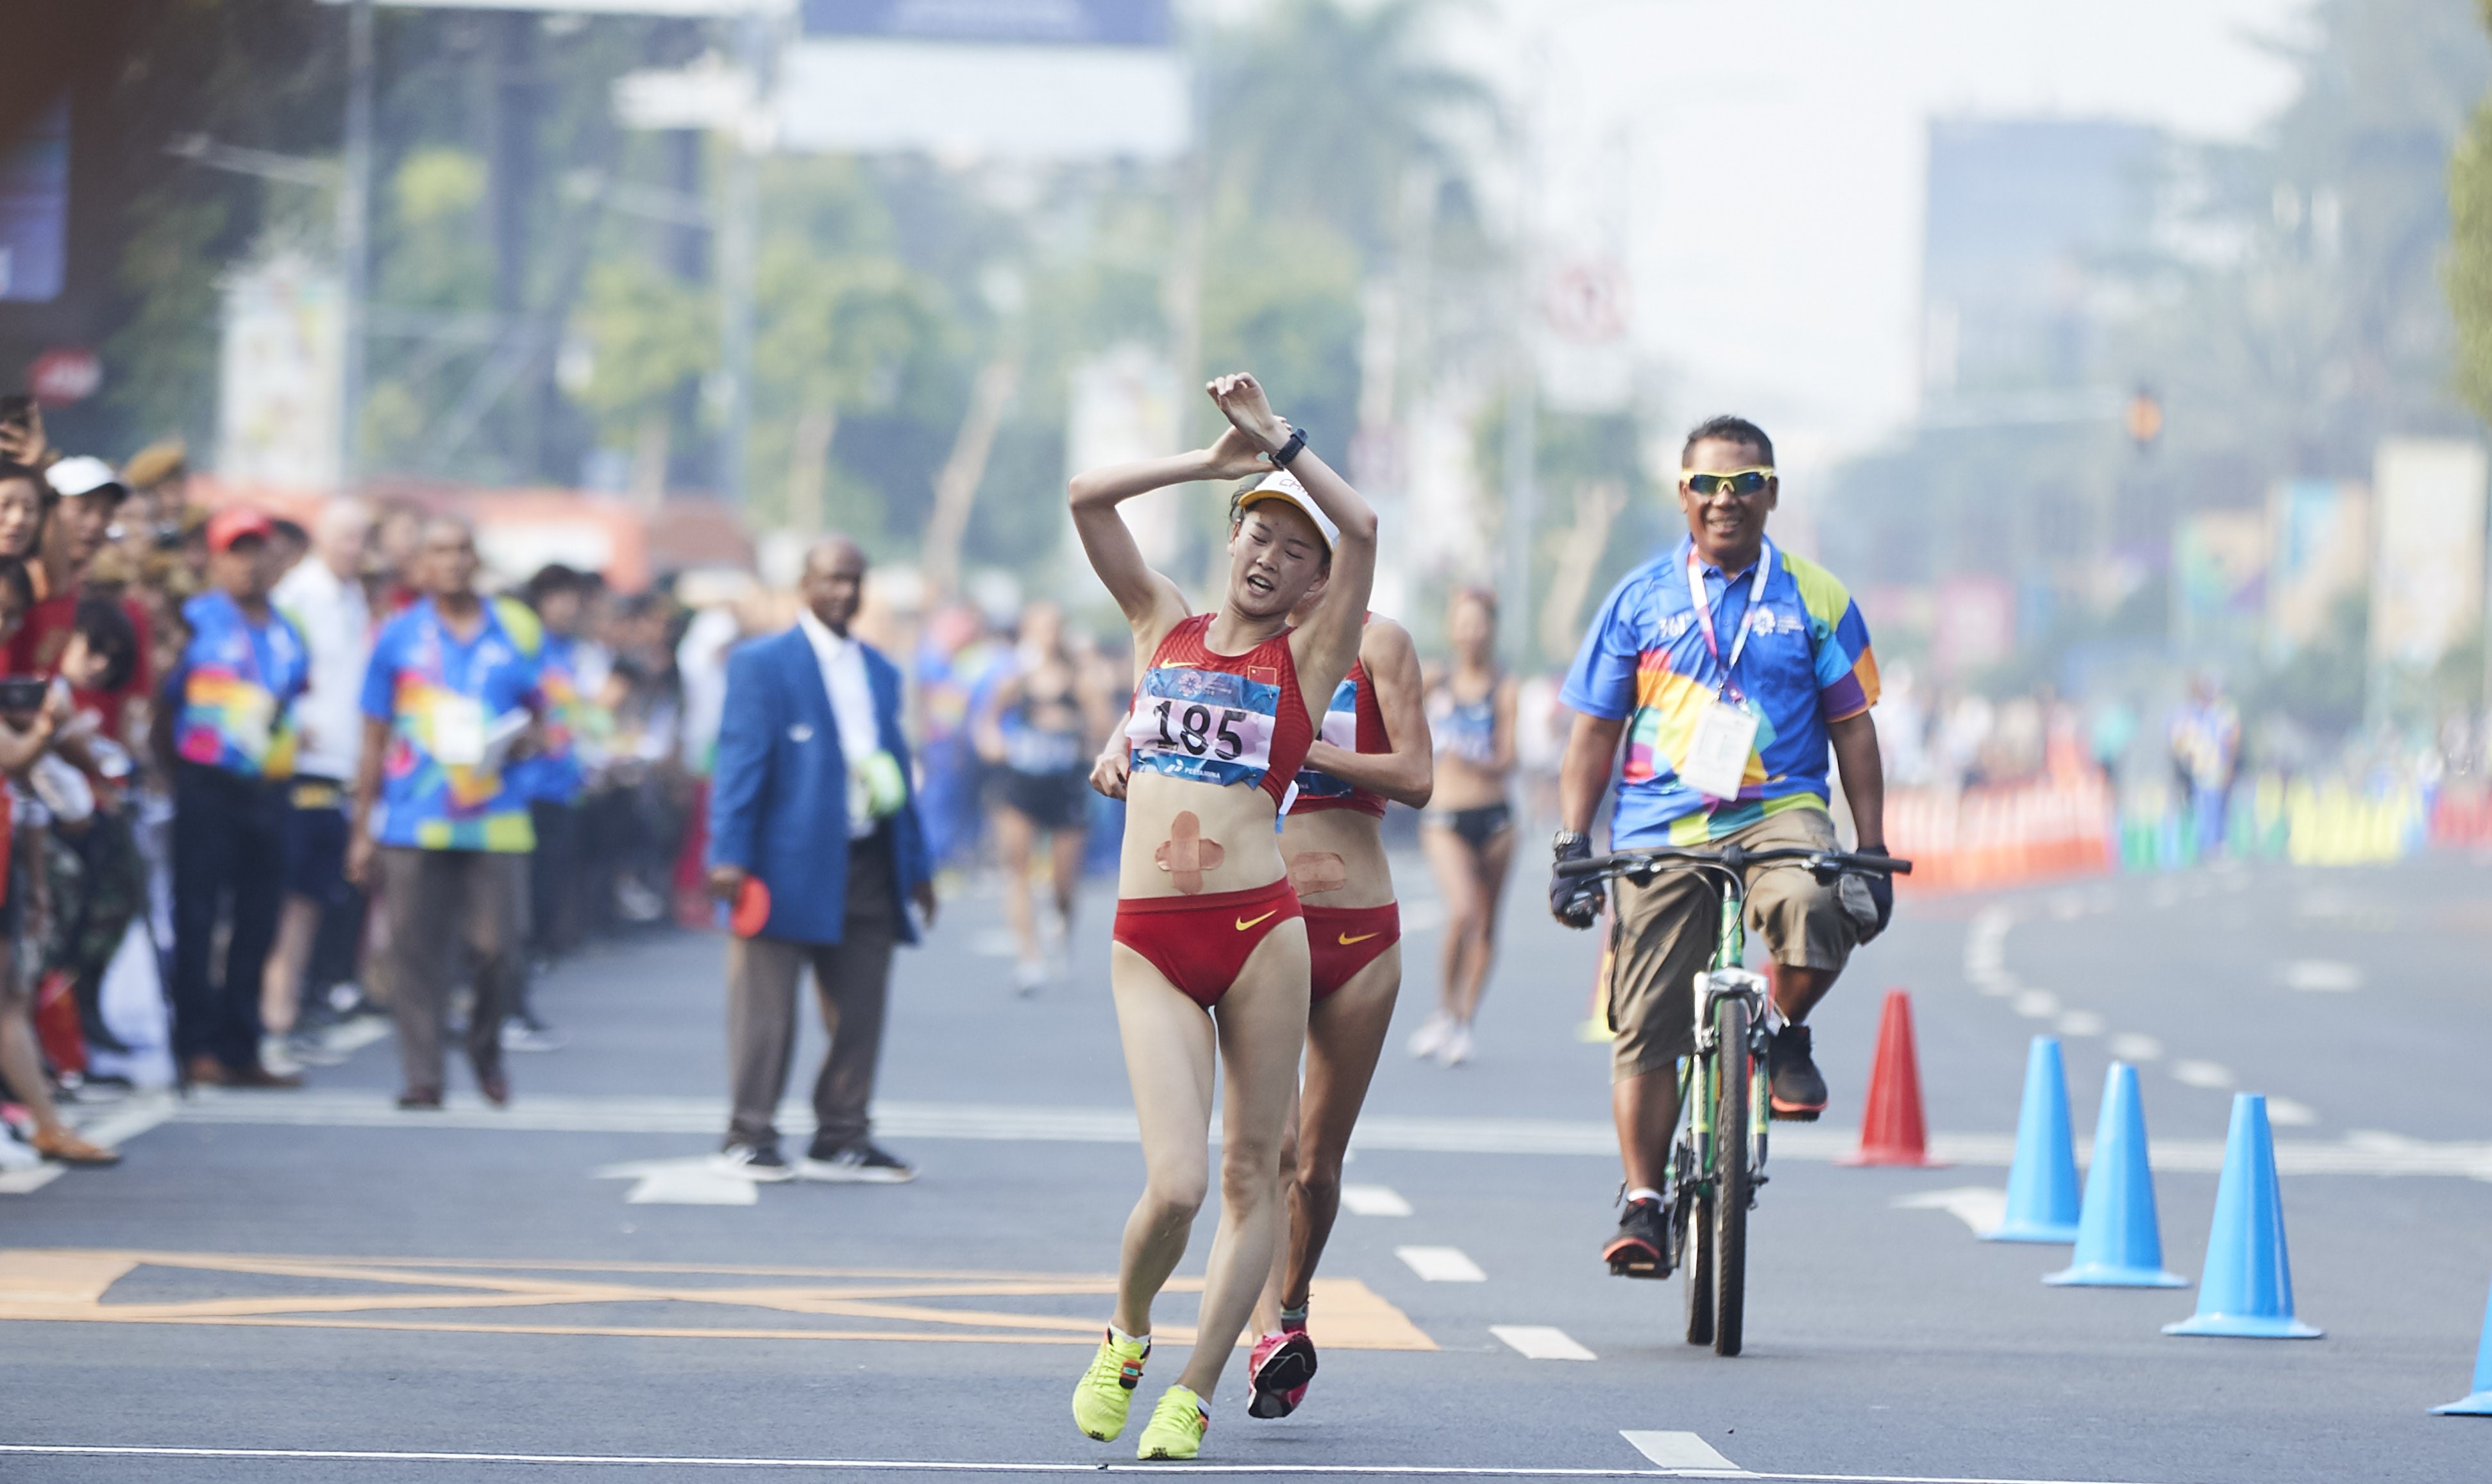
x: 1729, y: 668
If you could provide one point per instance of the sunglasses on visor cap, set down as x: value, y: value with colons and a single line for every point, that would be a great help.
x: 1739, y: 481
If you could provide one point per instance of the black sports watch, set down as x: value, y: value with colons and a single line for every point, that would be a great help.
x: 1282, y: 456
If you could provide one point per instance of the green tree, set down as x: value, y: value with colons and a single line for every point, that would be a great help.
x: 2469, y: 272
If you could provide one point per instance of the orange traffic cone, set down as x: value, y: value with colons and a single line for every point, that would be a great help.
x: 1891, y: 1129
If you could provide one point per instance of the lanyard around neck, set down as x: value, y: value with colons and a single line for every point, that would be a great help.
x: 1705, y: 608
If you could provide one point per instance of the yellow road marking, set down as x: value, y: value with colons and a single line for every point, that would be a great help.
x: 72, y: 1285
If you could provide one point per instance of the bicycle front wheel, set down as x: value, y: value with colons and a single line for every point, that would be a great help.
x: 1695, y: 1217
x: 1730, y: 1188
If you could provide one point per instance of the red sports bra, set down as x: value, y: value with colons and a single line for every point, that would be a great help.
x: 1354, y: 721
x: 1220, y: 718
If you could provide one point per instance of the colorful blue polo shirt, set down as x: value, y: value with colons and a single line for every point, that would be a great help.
x: 233, y: 685
x: 453, y: 708
x: 553, y: 773
x: 1806, y: 664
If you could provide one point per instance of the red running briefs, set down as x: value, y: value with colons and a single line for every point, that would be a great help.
x: 1201, y: 943
x: 1342, y: 941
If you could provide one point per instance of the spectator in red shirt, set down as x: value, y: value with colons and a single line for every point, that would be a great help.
x: 88, y: 494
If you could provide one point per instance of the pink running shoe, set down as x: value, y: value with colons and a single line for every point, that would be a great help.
x: 1278, y: 1370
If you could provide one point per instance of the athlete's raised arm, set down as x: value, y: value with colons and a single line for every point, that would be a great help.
x: 1327, y: 646
x: 1152, y: 603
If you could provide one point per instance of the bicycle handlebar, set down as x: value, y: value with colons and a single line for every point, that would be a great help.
x: 1651, y: 860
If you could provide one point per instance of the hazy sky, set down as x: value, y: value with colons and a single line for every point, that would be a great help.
x: 1775, y: 152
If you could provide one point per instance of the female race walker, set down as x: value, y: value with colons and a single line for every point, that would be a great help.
x: 1209, y: 964
x: 1467, y: 833
x: 1037, y: 728
x: 1373, y: 746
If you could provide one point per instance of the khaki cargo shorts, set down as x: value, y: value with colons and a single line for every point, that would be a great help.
x: 1663, y: 936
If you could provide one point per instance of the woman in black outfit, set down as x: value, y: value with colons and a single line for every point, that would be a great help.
x: 1038, y: 729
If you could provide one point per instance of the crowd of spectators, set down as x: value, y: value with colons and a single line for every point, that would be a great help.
x: 264, y: 777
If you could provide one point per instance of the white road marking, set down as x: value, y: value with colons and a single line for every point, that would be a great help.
x: 347, y: 1037
x: 2323, y: 976
x: 2035, y: 1004
x: 1541, y: 1341
x: 2129, y: 1046
x: 2080, y: 1023
x: 1978, y: 1207
x: 2290, y: 1114
x: 1814, y: 1143
x: 1372, y: 1201
x: 1422, y: 915
x: 934, y: 1465
x: 2203, y: 1073
x: 680, y: 1183
x: 32, y: 1179
x: 1682, y: 1452
x: 1442, y: 1264
x: 120, y: 1122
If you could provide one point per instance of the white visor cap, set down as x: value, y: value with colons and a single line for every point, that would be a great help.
x: 1283, y: 485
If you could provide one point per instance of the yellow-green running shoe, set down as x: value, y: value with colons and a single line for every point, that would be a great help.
x: 1176, y: 1426
x: 1106, y: 1390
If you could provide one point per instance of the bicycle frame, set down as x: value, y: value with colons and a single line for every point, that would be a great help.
x: 1699, y: 1164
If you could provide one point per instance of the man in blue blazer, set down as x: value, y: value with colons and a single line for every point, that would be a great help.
x: 816, y: 843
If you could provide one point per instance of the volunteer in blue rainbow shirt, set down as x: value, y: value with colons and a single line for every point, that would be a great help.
x: 231, y: 746
x: 450, y: 699
x: 1729, y: 668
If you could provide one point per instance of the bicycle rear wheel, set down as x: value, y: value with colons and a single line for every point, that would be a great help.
x: 1730, y: 1188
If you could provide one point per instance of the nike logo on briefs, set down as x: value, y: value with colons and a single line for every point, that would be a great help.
x: 1245, y: 923
x: 1345, y: 939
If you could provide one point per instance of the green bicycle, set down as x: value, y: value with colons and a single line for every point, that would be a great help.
x: 1718, y: 1159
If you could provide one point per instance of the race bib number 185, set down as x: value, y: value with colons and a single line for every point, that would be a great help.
x: 1208, y: 726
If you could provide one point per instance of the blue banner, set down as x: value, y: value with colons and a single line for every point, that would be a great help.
x: 1061, y: 22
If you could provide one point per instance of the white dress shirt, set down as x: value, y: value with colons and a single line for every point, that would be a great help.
x: 336, y: 625
x: 843, y: 663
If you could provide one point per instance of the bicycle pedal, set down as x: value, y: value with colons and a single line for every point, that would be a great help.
x: 1628, y: 1269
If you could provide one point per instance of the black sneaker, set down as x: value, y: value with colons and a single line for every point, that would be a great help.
x: 747, y: 1161
x: 1643, y: 1238
x: 862, y: 1162
x: 1798, y: 1091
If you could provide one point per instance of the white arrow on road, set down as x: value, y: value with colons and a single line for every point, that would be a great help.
x: 679, y: 1182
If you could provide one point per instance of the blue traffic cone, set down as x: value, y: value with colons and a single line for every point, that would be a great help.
x: 2119, y: 1244
x: 2248, y: 1290
x: 2042, y: 1183
x: 2480, y: 1405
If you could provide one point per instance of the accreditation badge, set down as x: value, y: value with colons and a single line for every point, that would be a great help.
x: 458, y: 728
x: 1718, y: 753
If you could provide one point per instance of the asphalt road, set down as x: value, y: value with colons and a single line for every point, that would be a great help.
x: 315, y: 1286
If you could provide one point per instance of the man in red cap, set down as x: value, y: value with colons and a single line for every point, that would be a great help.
x: 225, y: 740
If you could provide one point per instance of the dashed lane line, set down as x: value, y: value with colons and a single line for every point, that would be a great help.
x: 1372, y: 1201
x: 948, y: 1465
x: 1441, y: 1264
x: 1541, y: 1341
x: 1978, y: 1207
x: 1683, y: 1452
